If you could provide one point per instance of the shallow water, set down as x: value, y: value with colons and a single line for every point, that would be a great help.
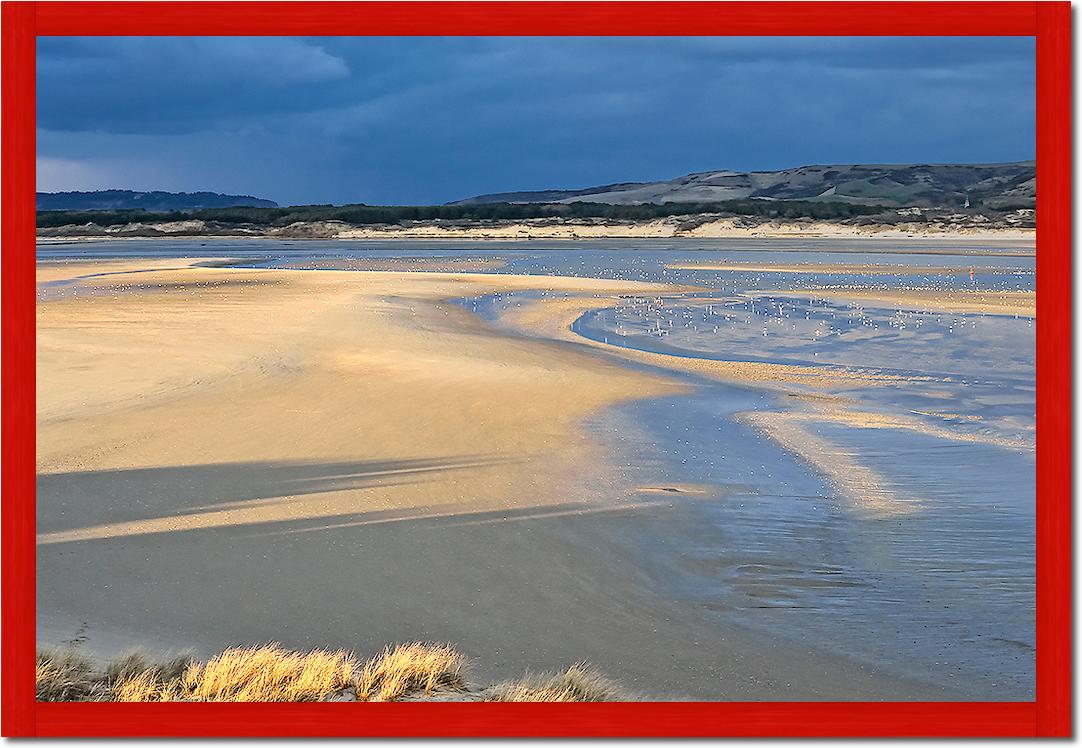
x: 942, y: 591
x: 943, y: 595
x: 976, y: 372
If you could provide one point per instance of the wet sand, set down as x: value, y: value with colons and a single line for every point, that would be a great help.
x: 343, y: 458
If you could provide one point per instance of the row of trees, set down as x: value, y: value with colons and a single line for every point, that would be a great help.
x: 391, y: 214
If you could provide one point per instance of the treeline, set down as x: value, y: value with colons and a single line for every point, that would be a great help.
x: 391, y: 214
x: 157, y: 201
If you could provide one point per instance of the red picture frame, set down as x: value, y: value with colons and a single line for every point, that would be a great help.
x: 1049, y: 715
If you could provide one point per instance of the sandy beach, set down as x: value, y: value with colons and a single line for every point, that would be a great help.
x: 720, y: 228
x: 342, y: 458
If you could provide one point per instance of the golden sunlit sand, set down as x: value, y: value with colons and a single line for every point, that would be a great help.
x: 371, y: 372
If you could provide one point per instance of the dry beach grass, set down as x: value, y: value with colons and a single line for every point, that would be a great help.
x: 270, y: 673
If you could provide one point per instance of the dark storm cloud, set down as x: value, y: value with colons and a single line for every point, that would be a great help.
x: 419, y: 120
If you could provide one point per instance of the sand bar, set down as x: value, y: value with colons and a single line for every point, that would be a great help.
x: 827, y: 268
x: 395, y: 264
x: 1009, y: 303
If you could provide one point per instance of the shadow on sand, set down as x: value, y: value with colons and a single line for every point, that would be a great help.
x: 67, y: 501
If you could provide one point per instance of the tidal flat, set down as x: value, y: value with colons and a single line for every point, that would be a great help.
x: 714, y: 469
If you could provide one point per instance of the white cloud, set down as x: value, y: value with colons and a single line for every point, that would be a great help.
x: 276, y: 60
x: 61, y: 175
x: 211, y: 60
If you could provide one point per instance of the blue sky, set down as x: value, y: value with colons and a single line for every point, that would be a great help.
x: 428, y: 119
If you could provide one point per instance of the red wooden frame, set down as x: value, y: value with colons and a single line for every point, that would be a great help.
x: 1049, y: 22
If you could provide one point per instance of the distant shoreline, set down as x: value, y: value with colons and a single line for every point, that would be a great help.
x: 704, y: 227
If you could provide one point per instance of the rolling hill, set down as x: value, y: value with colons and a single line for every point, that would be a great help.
x: 1008, y: 185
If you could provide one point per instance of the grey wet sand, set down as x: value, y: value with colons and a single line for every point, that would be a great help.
x: 343, y: 459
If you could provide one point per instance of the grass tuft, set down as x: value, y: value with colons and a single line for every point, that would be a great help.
x: 65, y: 676
x: 145, y: 686
x: 269, y: 673
x: 133, y: 664
x: 579, y: 682
x: 409, y: 668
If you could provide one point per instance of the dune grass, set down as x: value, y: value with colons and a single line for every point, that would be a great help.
x: 272, y: 673
x: 409, y: 668
x: 579, y: 682
x: 269, y: 673
x: 66, y: 676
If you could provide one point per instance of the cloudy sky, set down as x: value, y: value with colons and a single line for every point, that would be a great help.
x: 428, y: 120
